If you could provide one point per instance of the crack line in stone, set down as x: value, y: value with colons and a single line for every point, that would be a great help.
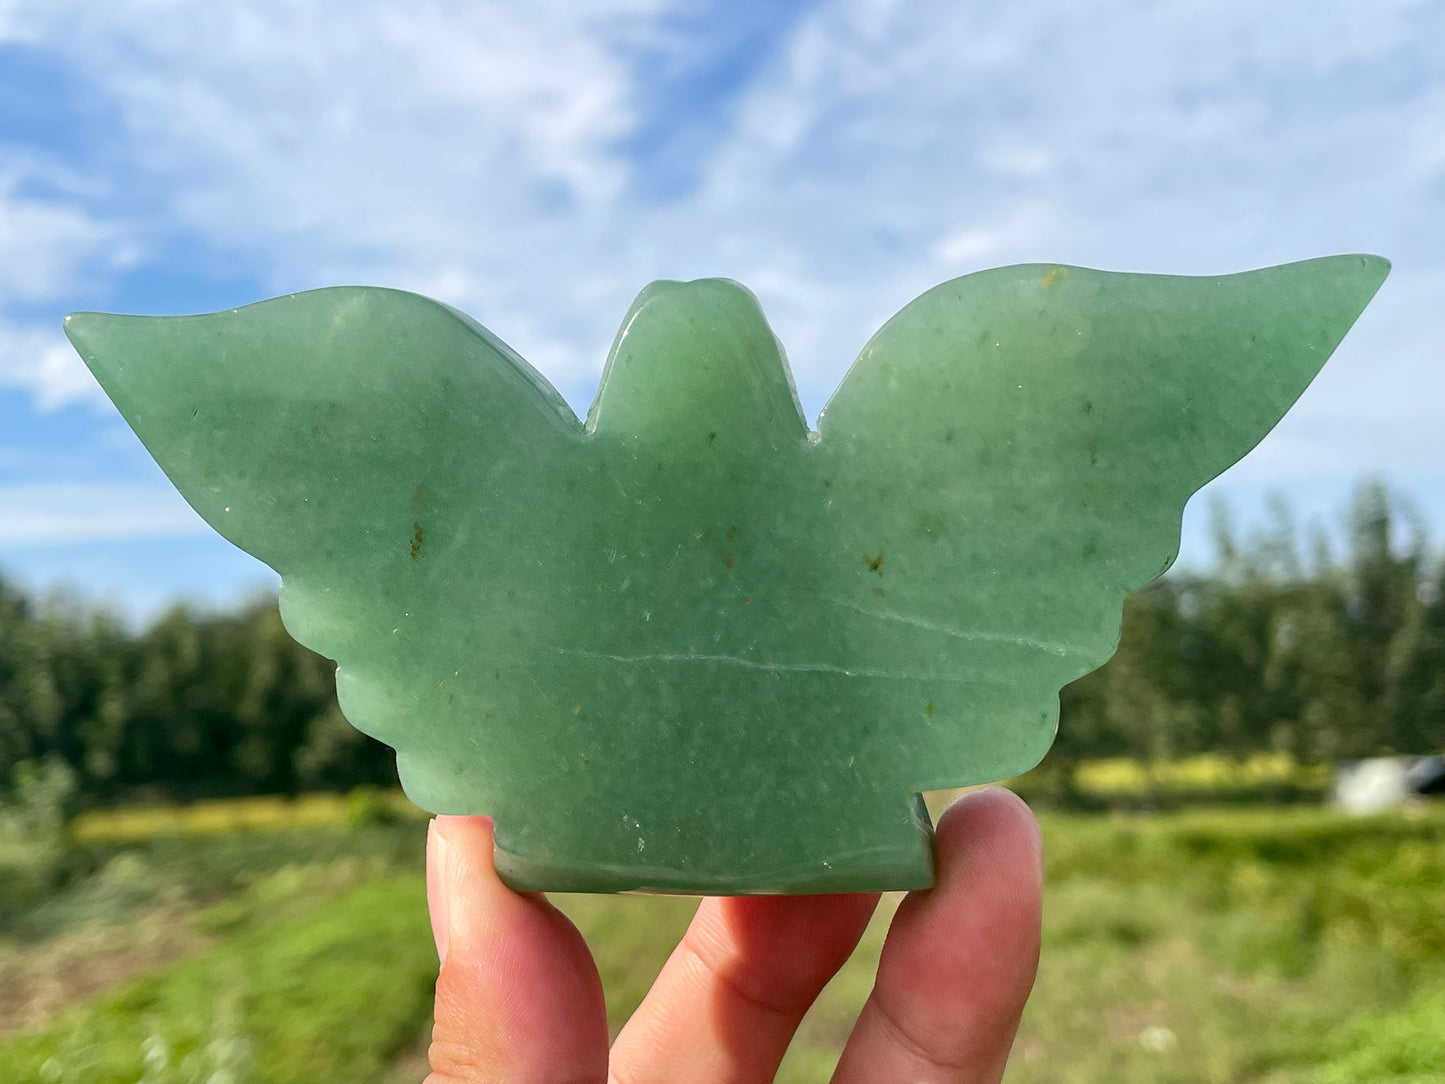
x: 772, y: 667
x: 1010, y: 639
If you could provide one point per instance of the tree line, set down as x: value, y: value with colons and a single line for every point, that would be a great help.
x: 1285, y: 646
x: 194, y: 706
x: 1311, y: 647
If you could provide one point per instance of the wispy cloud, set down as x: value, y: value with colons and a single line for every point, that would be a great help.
x: 31, y: 514
x: 44, y: 364
x: 47, y: 246
x: 44, y: 244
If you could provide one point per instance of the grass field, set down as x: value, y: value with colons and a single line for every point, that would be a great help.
x: 1258, y: 945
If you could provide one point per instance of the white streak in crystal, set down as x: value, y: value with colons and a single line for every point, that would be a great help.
x: 1012, y: 639
x: 775, y: 667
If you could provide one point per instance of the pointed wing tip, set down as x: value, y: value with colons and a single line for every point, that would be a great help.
x: 1376, y: 269
x: 1366, y: 269
x: 85, y: 329
x: 1359, y: 277
x: 76, y: 323
x: 1368, y: 265
x: 101, y: 339
x: 1342, y: 285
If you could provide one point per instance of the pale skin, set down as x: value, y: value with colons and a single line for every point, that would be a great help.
x: 519, y: 1001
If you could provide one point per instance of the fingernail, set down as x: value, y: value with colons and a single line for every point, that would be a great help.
x: 438, y: 888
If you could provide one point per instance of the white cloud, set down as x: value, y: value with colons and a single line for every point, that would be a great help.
x: 60, y: 377
x: 1008, y: 237
x: 47, y: 247
x: 966, y: 246
x: 44, y: 364
x: 43, y: 244
x: 466, y: 146
x: 59, y: 513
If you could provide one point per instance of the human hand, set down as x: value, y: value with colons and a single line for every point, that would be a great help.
x: 519, y: 998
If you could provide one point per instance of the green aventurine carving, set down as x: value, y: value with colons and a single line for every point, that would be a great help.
x: 691, y: 646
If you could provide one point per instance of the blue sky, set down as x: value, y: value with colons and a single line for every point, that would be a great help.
x: 536, y: 165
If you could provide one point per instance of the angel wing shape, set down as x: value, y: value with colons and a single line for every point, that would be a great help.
x: 691, y: 645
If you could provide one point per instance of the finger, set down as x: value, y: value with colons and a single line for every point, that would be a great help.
x: 518, y: 998
x: 732, y: 994
x: 960, y: 958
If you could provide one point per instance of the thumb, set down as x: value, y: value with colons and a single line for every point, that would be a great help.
x: 518, y: 997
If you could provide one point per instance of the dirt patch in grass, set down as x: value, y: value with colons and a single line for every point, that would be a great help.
x: 36, y: 981
x: 140, y: 911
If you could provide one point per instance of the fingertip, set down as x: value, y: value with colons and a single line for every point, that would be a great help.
x: 992, y: 828
x: 472, y: 834
x: 436, y: 887
x: 468, y: 873
x: 993, y: 803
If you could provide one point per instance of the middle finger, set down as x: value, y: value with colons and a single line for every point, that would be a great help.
x: 729, y: 999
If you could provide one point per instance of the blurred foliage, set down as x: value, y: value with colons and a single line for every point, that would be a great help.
x: 35, y: 837
x: 1285, y: 648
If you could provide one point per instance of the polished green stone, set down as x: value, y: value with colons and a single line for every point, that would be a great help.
x: 691, y: 645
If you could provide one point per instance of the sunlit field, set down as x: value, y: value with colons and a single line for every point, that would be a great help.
x: 269, y: 941
x: 1125, y: 776
x: 1106, y: 780
x: 220, y: 816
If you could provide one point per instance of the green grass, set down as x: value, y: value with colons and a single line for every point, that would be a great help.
x: 1268, y: 946
x: 330, y: 994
